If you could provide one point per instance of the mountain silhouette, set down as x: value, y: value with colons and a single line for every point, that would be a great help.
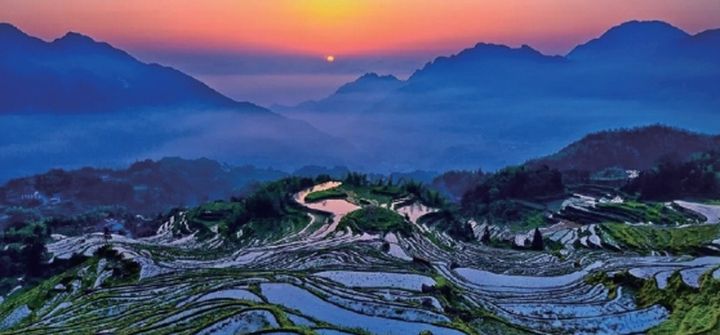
x: 630, y: 40
x: 75, y: 73
x: 75, y: 101
x: 351, y: 97
x: 370, y: 82
x: 495, y: 105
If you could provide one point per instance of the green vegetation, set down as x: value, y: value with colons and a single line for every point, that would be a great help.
x: 376, y: 220
x: 632, y: 148
x: 520, y: 182
x: 529, y: 222
x: 334, y: 193
x: 517, y: 215
x: 360, y: 190
x: 22, y: 251
x: 204, y: 217
x: 654, y: 212
x: 365, y: 194
x: 493, y: 325
x: 79, y: 269
x: 693, y: 311
x: 602, y: 278
x: 698, y: 177
x: 652, y: 238
x: 513, y: 197
x: 457, y: 183
x: 447, y: 220
x: 270, y: 212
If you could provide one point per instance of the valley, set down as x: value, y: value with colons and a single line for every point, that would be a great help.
x: 465, y: 183
x: 326, y: 267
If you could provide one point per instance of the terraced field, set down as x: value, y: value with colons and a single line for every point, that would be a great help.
x: 402, y: 276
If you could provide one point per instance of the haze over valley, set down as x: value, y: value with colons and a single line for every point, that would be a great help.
x: 352, y: 167
x: 487, y: 106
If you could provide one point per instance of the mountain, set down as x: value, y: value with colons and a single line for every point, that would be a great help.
x: 636, y: 149
x: 75, y: 101
x: 75, y: 73
x: 631, y: 40
x: 494, y: 105
x: 483, y: 68
x: 365, y: 90
x: 704, y: 46
x: 370, y: 83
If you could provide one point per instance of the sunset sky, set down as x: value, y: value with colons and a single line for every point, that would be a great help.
x: 246, y: 48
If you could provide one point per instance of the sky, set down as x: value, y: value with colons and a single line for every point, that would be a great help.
x: 274, y: 51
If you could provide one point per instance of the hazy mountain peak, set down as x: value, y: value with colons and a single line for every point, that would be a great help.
x: 493, y: 52
x: 628, y: 40
x: 12, y: 37
x: 709, y: 38
x: 490, y: 49
x: 120, y: 80
x: 7, y: 28
x: 370, y: 82
x: 483, y: 59
x: 86, y: 45
x: 708, y: 34
x: 639, y: 31
x: 73, y: 37
x: 375, y: 76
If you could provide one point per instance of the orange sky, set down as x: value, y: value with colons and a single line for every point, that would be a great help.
x: 346, y: 27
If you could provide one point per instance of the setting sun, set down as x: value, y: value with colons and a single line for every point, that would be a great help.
x: 330, y: 58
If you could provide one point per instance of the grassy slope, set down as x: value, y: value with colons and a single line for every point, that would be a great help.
x: 693, y: 311
x: 648, y: 212
x: 648, y: 238
x: 222, y: 213
x: 375, y: 220
x: 360, y: 194
x: 334, y: 193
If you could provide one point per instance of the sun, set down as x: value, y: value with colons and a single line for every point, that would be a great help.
x: 330, y: 58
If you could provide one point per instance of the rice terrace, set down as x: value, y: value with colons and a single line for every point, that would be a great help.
x: 360, y: 167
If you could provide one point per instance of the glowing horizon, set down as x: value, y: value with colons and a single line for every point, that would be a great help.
x: 346, y: 27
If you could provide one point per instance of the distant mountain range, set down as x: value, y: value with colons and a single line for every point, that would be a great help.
x: 648, y: 54
x: 75, y: 74
x: 75, y: 101
x: 493, y: 105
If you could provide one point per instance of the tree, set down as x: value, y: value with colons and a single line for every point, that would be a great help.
x: 537, y: 242
x: 33, y: 251
x: 486, y: 235
x: 107, y: 235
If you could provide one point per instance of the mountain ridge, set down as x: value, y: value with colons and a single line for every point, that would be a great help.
x: 75, y: 101
x: 93, y: 75
x: 636, y: 149
x: 500, y: 105
x: 632, y: 39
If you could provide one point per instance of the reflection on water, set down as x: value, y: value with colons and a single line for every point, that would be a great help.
x: 298, y: 298
x: 415, y: 211
x: 337, y: 207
